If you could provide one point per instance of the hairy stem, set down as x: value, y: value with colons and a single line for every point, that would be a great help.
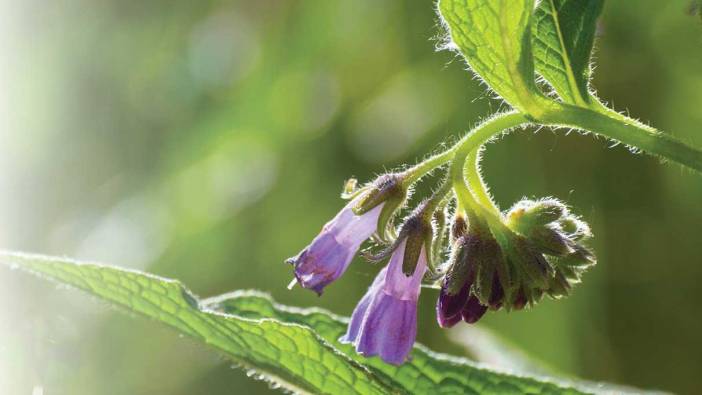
x: 475, y: 180
x: 469, y: 143
x: 630, y: 132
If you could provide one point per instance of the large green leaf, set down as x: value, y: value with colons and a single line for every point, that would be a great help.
x: 297, y: 348
x: 495, y: 38
x: 286, y: 353
x: 563, y: 35
x: 426, y: 372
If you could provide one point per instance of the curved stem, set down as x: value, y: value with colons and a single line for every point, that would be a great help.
x: 469, y: 143
x: 419, y: 170
x: 630, y: 132
x: 475, y: 180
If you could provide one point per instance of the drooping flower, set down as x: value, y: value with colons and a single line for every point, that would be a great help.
x: 384, y: 322
x: 371, y: 210
x: 331, y: 252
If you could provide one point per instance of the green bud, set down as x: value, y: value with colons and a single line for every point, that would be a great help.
x: 527, y: 214
x: 549, y: 240
x: 575, y: 228
x: 580, y: 257
x: 462, y: 265
x: 526, y: 259
x: 492, y: 274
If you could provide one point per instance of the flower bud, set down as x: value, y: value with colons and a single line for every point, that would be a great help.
x: 575, y: 228
x: 473, y: 310
x: 530, y: 213
x: 549, y: 240
x: 456, y: 286
x: 490, y: 262
x: 522, y: 255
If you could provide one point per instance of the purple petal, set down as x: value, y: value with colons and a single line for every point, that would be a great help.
x: 359, y: 312
x: 384, y: 322
x: 331, y: 252
x: 322, y: 262
x: 399, y: 285
x: 389, y: 328
x: 473, y: 310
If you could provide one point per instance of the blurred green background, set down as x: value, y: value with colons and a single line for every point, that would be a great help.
x: 209, y: 140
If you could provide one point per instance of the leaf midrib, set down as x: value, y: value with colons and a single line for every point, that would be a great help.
x: 575, y: 90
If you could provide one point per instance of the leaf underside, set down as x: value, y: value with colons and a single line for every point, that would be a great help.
x: 563, y: 36
x: 494, y: 36
x: 293, y: 347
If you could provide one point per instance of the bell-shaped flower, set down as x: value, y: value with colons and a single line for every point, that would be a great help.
x: 384, y: 322
x: 331, y: 252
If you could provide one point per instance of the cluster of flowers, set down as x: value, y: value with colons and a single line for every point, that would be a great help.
x: 507, y: 262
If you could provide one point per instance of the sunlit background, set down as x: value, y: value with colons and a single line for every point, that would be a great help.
x: 208, y: 141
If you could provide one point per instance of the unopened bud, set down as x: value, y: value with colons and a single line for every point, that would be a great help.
x: 522, y: 255
x: 575, y: 228
x: 530, y: 213
x: 473, y: 310
x: 549, y: 240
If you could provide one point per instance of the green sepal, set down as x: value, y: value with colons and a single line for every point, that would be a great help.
x: 439, y: 218
x: 462, y: 267
x: 575, y: 228
x: 559, y: 286
x: 389, y: 190
x: 528, y: 214
x: 549, y: 241
x: 531, y: 262
x: 483, y: 282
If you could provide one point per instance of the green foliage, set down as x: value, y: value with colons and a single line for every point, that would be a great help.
x: 563, y: 35
x: 495, y: 38
x: 294, y: 348
x: 285, y: 353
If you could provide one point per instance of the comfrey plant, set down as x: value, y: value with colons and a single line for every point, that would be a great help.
x: 480, y: 258
x: 495, y: 259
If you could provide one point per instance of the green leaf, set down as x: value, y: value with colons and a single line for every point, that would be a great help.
x: 426, y: 372
x: 563, y: 35
x: 297, y: 348
x: 494, y: 36
x: 286, y: 353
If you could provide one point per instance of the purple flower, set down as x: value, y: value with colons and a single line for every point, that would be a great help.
x: 384, y: 322
x: 330, y: 253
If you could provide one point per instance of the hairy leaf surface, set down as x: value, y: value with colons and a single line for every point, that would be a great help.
x: 297, y: 348
x: 563, y: 36
x: 495, y: 38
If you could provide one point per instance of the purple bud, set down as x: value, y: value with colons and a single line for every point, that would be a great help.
x: 384, y: 322
x: 331, y: 252
x: 448, y: 306
x: 473, y: 310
